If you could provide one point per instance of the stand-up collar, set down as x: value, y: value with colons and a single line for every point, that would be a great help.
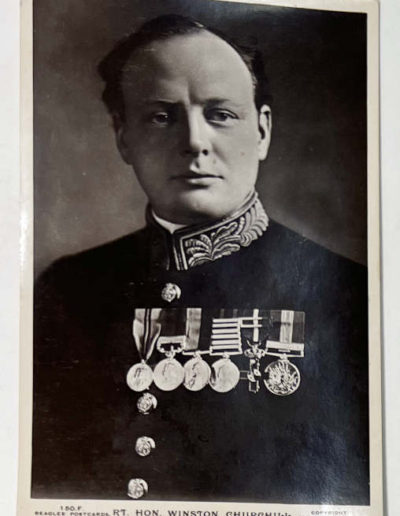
x: 195, y: 245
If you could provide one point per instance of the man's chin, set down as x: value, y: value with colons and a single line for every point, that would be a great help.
x: 201, y: 207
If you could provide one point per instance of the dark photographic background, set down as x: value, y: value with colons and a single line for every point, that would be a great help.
x: 314, y: 179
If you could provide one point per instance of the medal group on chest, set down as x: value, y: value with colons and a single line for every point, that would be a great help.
x: 255, y: 336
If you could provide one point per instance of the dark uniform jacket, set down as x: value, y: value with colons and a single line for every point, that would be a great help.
x: 308, y: 447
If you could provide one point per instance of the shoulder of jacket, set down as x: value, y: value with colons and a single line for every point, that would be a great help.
x: 282, y: 242
x: 97, y: 260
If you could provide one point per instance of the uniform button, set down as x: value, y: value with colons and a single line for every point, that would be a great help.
x: 170, y: 292
x: 137, y: 488
x: 146, y: 403
x: 144, y: 445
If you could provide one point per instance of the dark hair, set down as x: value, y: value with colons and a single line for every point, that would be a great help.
x: 112, y: 65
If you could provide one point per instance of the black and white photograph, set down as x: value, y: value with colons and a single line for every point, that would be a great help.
x: 205, y: 261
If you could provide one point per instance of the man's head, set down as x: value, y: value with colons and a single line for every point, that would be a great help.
x: 183, y: 101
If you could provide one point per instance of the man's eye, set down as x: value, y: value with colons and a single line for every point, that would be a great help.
x: 160, y: 118
x: 221, y: 117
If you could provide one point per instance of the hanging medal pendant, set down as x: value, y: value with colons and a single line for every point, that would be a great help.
x: 169, y: 373
x: 145, y: 330
x: 197, y: 373
x: 139, y: 377
x: 253, y: 376
x: 224, y: 375
x: 283, y: 377
x: 254, y: 353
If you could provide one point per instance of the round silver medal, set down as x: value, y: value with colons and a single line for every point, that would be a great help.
x: 168, y: 374
x: 224, y: 376
x: 197, y: 374
x: 139, y: 377
x: 283, y: 377
x: 146, y: 403
x: 137, y: 488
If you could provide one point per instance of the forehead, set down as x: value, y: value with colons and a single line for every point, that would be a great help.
x: 200, y: 65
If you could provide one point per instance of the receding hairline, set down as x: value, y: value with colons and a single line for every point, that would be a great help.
x: 162, y: 28
x: 197, y: 33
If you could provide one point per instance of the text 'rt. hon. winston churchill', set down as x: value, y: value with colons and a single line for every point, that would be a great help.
x: 214, y: 354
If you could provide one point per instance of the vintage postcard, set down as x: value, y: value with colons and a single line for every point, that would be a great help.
x: 201, y: 278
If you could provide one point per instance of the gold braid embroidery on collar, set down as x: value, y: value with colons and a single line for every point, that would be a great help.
x: 227, y: 237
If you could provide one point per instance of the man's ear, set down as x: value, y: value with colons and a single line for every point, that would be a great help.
x: 119, y: 128
x: 264, y: 129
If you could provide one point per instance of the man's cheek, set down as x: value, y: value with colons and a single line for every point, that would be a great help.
x: 244, y: 153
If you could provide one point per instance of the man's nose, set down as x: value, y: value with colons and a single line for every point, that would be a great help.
x: 197, y: 140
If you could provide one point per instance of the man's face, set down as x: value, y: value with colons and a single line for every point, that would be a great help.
x: 192, y: 132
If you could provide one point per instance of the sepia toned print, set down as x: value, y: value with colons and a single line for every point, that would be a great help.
x: 220, y: 352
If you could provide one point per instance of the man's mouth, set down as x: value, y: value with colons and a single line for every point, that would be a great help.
x: 197, y: 178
